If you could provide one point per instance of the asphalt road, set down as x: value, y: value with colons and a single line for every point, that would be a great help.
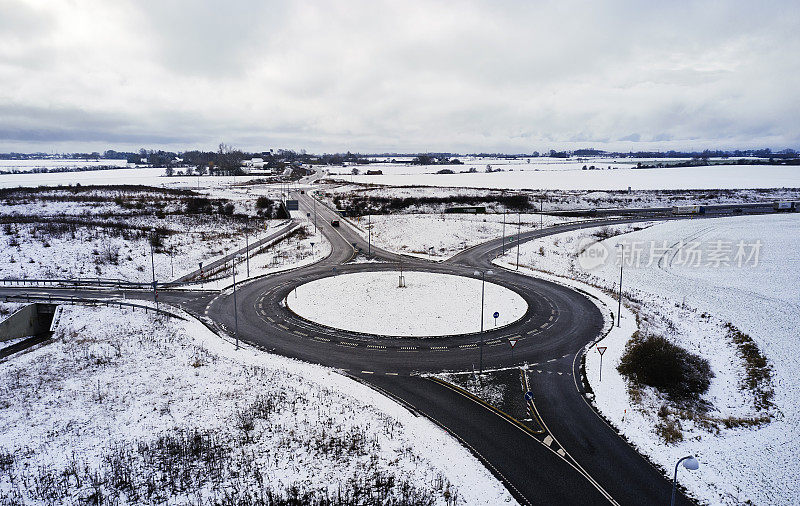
x: 578, y: 460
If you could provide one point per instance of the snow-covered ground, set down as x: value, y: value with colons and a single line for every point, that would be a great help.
x: 32, y: 251
x: 688, y: 280
x: 706, y: 177
x: 430, y: 304
x: 148, y: 176
x: 440, y: 236
x: 56, y: 164
x: 132, y: 407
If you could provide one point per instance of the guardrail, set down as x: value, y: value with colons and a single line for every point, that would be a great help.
x: 100, y: 283
x: 87, y: 302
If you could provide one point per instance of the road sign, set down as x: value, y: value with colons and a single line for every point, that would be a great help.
x: 513, y: 341
x: 529, y: 396
x: 601, y: 350
x: 496, y: 315
x: 292, y: 205
x: 308, y: 215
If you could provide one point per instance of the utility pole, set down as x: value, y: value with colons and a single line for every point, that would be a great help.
x: 619, y: 302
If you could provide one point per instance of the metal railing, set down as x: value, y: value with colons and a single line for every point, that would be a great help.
x: 83, y: 301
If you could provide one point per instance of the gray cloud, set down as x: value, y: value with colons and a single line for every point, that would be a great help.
x: 406, y: 76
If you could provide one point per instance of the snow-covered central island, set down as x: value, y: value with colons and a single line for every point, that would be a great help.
x: 429, y: 305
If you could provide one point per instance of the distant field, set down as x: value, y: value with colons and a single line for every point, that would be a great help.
x: 562, y: 176
x: 33, y: 165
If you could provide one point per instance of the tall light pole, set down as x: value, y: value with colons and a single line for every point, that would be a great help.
x: 690, y: 463
x: 247, y: 252
x: 483, y: 275
x: 369, y: 235
x: 235, y: 312
x: 315, y: 214
x: 619, y: 301
x: 504, y: 233
x: 519, y: 228
x: 153, y: 264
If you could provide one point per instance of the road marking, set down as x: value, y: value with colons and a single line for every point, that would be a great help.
x: 544, y: 325
x: 408, y: 348
x: 270, y: 318
x: 551, y: 360
x: 494, y: 341
x: 376, y: 347
x: 561, y: 452
x: 391, y: 374
x: 550, y: 319
x: 468, y: 345
x: 367, y: 372
x: 299, y: 333
x: 284, y: 327
x: 548, y: 440
x: 532, y: 332
x: 439, y: 348
x: 320, y: 339
x: 346, y: 343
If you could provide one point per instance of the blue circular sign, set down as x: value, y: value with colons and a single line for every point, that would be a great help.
x: 496, y: 314
x: 529, y: 396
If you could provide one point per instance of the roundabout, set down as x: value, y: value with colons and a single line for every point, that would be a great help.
x: 422, y: 304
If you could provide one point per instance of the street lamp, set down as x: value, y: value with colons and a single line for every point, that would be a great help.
x: 619, y: 301
x: 153, y: 264
x: 483, y: 275
x: 690, y: 463
x: 235, y: 312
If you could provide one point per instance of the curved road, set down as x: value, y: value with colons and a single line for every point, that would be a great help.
x: 577, y: 459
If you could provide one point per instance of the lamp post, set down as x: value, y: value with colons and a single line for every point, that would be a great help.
x: 690, y: 463
x: 619, y: 300
x: 247, y: 251
x: 503, y: 251
x: 483, y: 275
x: 315, y: 214
x: 519, y: 230
x: 153, y: 264
x: 235, y: 312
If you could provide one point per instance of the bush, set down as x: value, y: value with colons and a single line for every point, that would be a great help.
x: 263, y: 203
x: 655, y: 361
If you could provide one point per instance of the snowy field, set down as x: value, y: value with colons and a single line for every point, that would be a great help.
x: 91, y: 232
x: 708, y: 177
x: 695, y: 281
x: 126, y: 407
x: 60, y: 164
x: 147, y: 176
x: 440, y: 236
x: 430, y: 305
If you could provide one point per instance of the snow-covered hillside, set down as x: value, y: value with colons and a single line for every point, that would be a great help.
x: 134, y: 408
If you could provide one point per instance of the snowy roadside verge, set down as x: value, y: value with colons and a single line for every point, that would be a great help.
x: 117, y: 388
x: 701, y: 310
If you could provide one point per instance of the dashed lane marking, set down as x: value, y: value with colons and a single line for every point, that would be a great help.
x: 473, y: 345
x: 348, y: 344
x: 439, y: 348
x: 391, y: 374
x: 284, y: 327
x: 544, y: 325
x: 376, y: 347
x: 299, y: 333
x: 367, y: 372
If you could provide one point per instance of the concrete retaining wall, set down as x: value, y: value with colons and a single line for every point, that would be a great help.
x: 31, y: 320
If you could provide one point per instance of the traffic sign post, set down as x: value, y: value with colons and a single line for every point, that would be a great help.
x: 529, y: 396
x: 513, y: 342
x: 601, y: 350
x: 496, y: 315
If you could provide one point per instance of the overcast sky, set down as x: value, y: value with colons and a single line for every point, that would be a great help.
x: 402, y: 76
